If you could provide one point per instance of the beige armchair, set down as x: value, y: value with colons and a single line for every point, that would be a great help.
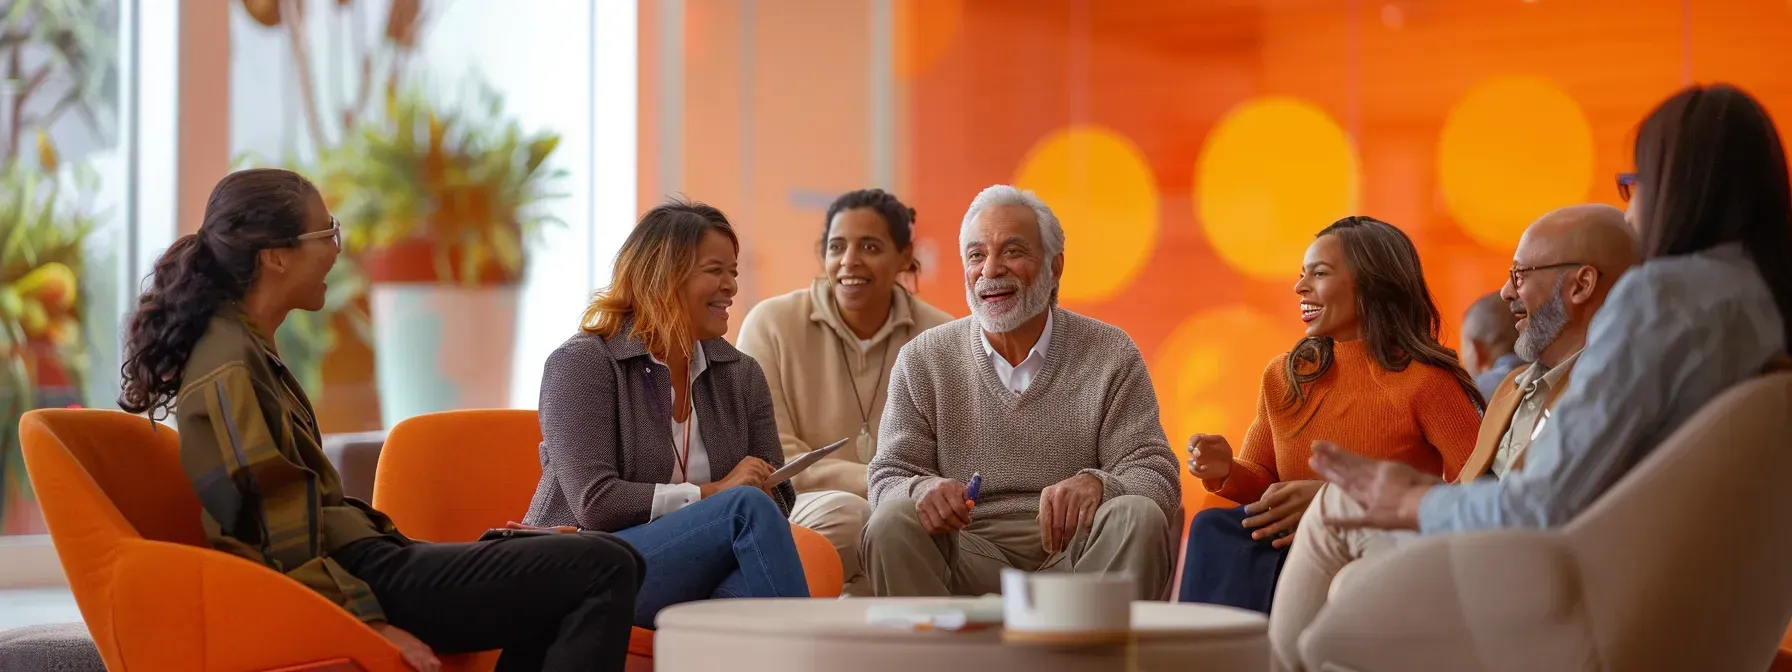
x: 1686, y: 564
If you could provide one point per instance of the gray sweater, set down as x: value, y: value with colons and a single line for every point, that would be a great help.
x: 1091, y: 410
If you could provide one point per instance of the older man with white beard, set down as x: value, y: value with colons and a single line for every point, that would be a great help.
x: 1565, y: 264
x: 1051, y: 411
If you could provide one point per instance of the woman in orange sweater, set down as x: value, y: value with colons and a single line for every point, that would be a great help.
x: 1370, y: 369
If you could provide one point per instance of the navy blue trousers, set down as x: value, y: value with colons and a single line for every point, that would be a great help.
x: 1226, y: 566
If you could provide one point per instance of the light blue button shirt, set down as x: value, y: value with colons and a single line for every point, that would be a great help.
x: 1674, y: 333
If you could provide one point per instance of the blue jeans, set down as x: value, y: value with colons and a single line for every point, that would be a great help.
x: 736, y: 543
x: 1224, y: 565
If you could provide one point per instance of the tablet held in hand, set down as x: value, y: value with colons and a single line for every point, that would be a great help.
x: 796, y: 466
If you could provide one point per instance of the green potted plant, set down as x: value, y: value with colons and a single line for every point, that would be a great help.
x: 43, y: 358
x: 59, y: 61
x: 439, y: 206
x: 307, y: 338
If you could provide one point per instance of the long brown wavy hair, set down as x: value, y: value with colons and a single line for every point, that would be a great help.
x: 248, y: 211
x: 655, y: 260
x: 1400, y: 321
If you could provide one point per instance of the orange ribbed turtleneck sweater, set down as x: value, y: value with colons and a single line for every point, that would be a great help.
x: 1420, y: 416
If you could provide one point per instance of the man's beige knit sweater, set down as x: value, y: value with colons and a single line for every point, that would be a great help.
x: 1090, y: 410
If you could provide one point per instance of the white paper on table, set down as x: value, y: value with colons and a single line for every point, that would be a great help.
x: 955, y: 615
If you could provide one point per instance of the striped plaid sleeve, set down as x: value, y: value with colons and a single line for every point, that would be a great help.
x: 345, y: 589
x: 251, y: 488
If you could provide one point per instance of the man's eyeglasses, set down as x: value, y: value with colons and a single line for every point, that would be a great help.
x: 334, y: 233
x: 1626, y: 182
x: 1516, y: 273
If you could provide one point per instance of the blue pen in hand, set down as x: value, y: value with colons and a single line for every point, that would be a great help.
x: 975, y: 488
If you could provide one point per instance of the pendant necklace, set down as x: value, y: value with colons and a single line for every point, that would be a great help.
x: 863, y: 443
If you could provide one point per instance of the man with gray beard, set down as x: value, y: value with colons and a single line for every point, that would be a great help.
x: 1565, y: 264
x: 1051, y: 413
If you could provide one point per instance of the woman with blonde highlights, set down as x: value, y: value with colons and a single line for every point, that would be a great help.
x: 658, y: 430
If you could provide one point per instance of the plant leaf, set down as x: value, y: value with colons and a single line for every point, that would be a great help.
x: 46, y: 151
x: 539, y: 151
x: 15, y: 15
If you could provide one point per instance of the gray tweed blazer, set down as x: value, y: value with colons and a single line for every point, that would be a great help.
x: 606, y: 428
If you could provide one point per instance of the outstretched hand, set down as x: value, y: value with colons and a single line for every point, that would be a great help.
x: 1389, y: 491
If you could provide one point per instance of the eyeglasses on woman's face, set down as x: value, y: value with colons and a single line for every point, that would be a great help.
x: 334, y: 233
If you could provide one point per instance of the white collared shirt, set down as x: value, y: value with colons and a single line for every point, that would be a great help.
x: 1018, y: 378
x: 683, y: 490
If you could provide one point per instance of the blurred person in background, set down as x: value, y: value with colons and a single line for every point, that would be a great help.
x: 827, y: 353
x: 1370, y: 372
x: 1488, y: 333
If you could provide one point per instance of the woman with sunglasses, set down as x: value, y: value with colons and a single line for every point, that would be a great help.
x: 1369, y: 371
x: 200, y: 345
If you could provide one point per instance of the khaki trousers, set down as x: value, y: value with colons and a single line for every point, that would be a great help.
x: 1130, y: 534
x: 840, y: 518
x: 1322, y: 559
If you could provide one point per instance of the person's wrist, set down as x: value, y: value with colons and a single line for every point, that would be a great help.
x: 1217, y: 473
x: 1409, y: 505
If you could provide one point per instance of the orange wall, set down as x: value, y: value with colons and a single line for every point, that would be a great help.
x: 1465, y: 119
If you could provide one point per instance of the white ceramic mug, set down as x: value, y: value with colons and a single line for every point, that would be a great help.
x: 1066, y: 607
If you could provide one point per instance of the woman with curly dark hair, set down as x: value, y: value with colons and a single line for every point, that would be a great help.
x: 200, y: 346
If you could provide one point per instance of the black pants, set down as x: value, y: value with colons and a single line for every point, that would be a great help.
x: 552, y: 602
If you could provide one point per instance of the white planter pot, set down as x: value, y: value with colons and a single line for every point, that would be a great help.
x: 442, y: 347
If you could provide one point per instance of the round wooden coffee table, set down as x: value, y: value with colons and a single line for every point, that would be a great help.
x: 796, y: 635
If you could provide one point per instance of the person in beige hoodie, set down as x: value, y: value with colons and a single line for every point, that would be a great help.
x: 827, y: 353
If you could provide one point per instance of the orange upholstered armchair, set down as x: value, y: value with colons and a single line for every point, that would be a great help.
x: 125, y: 523
x: 451, y: 476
